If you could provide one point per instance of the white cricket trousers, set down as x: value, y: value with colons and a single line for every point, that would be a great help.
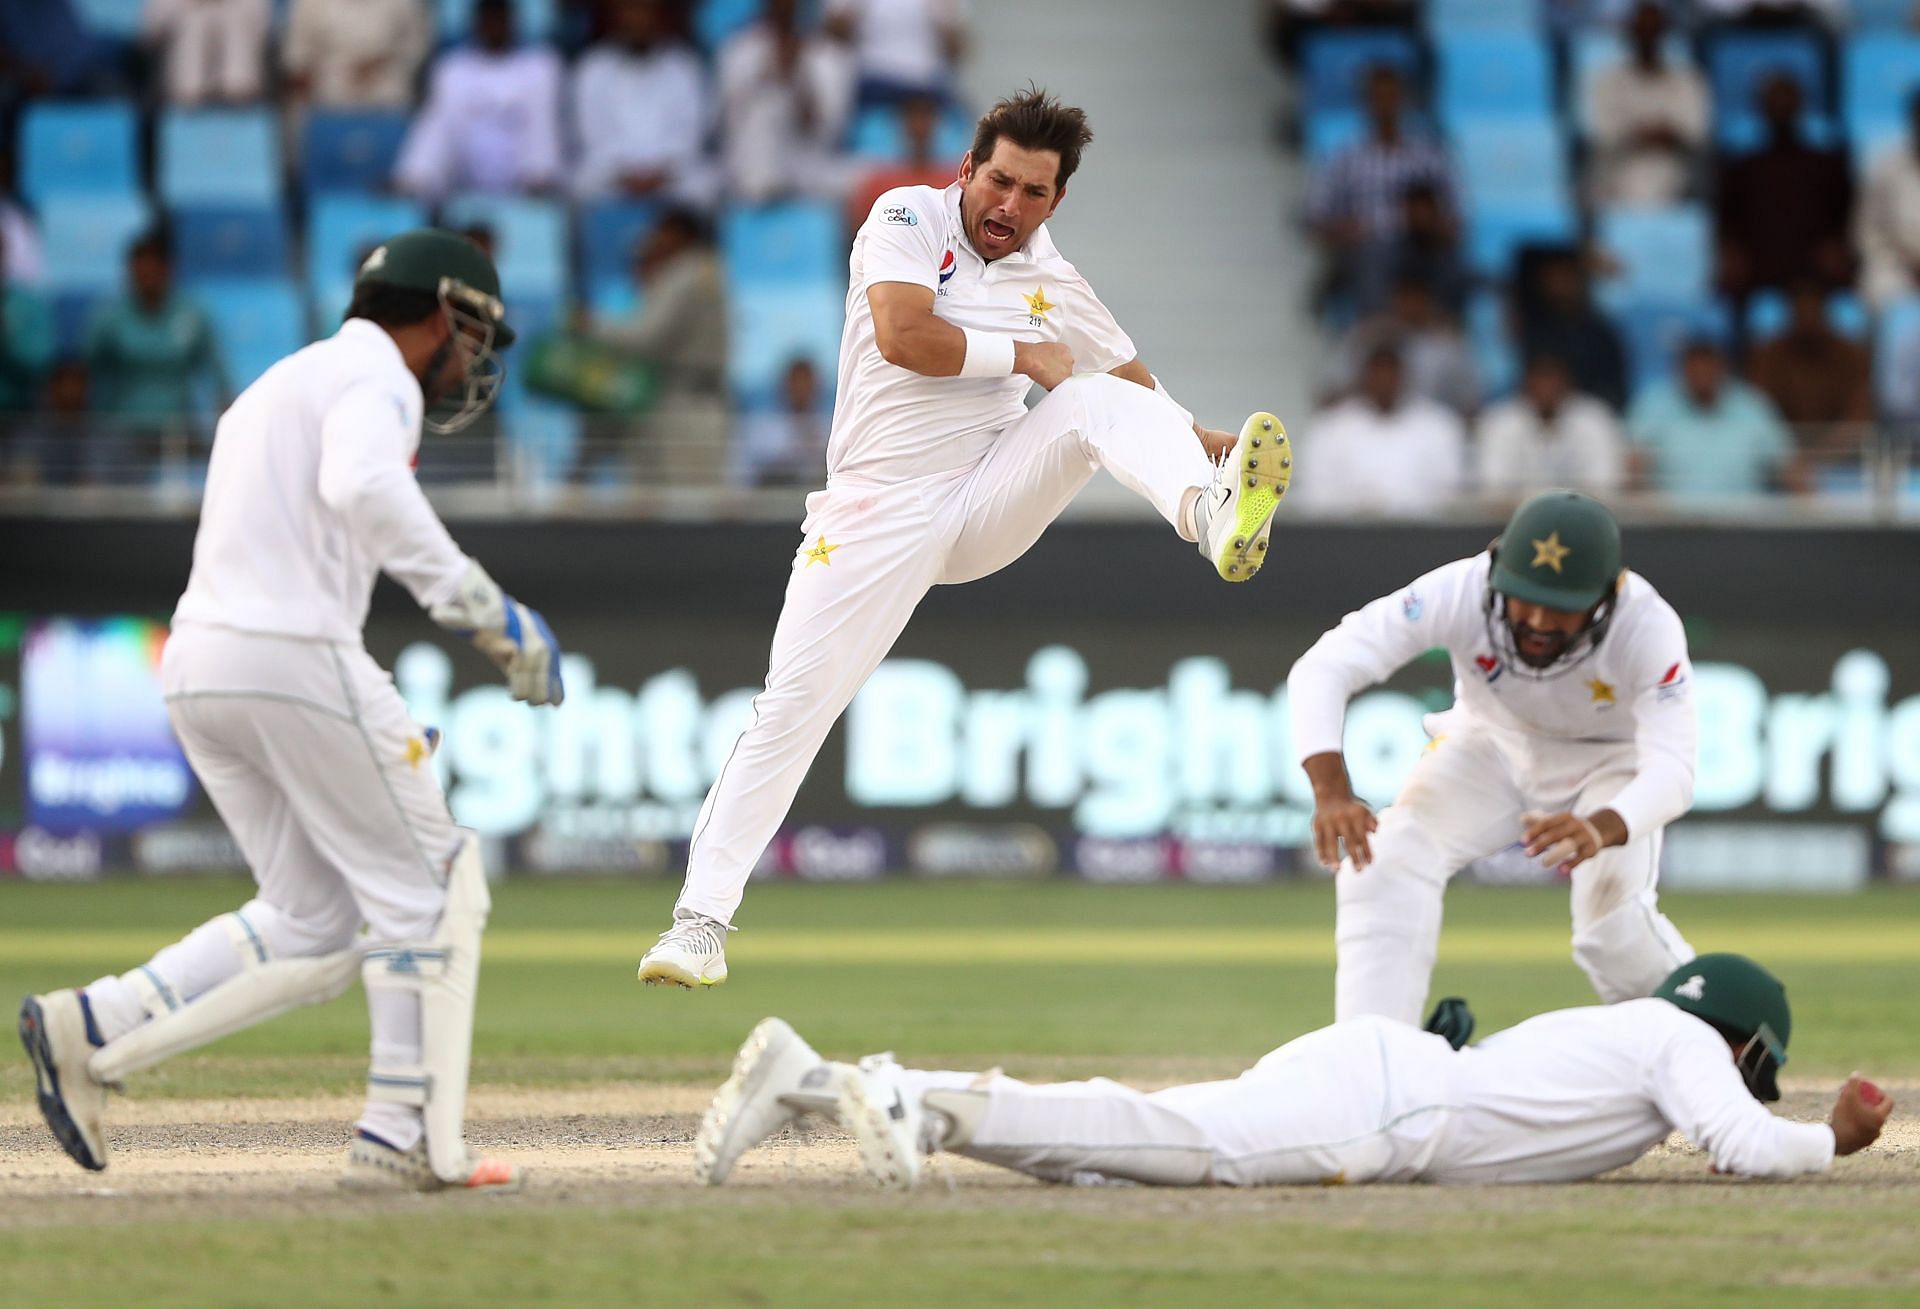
x: 324, y: 781
x: 1362, y: 1101
x: 1464, y: 801
x: 869, y: 553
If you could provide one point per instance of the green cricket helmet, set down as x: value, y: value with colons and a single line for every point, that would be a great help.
x: 462, y: 278
x: 1746, y: 1003
x: 1560, y: 549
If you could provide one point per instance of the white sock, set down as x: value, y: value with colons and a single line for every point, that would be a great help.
x: 1191, y: 526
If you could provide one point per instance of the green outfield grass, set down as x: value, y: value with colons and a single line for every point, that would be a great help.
x: 1153, y: 982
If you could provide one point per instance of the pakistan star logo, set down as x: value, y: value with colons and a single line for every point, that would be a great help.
x: 821, y: 553
x: 1550, y: 552
x: 1037, y: 306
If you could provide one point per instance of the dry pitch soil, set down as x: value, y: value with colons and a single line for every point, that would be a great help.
x: 631, y: 1145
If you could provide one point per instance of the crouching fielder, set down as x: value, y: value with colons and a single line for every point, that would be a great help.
x: 1561, y: 1097
x: 1571, y: 736
x: 305, y: 747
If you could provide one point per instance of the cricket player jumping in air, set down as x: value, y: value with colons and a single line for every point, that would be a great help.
x: 1571, y: 736
x: 957, y: 304
x: 1558, y: 1098
x: 305, y: 747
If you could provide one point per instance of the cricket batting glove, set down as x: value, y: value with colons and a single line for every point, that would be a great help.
x: 515, y: 637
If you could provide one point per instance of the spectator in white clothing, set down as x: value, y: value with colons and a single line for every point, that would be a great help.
x: 1549, y: 435
x: 1382, y: 450
x: 785, y: 95
x: 641, y: 112
x: 19, y: 238
x: 1647, y: 119
x: 356, y: 54
x: 903, y: 47
x: 212, y: 51
x: 1887, y: 223
x: 492, y: 116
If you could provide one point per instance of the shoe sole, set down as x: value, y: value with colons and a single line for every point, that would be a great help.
x: 370, y: 1179
x: 53, y: 1106
x: 752, y: 1066
x: 1265, y: 469
x: 666, y: 974
x: 871, y: 1129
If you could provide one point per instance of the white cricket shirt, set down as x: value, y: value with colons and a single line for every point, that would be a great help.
x: 1578, y: 1092
x: 1634, y: 687
x: 891, y: 424
x: 311, y: 494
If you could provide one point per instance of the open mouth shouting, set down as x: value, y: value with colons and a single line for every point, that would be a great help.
x: 997, y: 234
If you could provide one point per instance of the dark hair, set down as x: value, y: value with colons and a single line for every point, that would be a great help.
x: 1034, y: 120
x: 392, y: 306
x: 154, y: 242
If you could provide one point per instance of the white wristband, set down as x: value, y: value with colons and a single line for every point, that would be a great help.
x: 989, y: 354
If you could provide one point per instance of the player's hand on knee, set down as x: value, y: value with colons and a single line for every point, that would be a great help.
x: 1858, y: 1115
x: 515, y: 637
x: 1343, y: 822
x: 1047, y: 362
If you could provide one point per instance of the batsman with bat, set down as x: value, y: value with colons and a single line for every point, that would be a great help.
x: 305, y: 747
x: 1571, y: 737
x: 938, y: 474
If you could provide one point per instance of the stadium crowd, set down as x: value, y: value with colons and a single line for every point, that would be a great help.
x: 188, y: 186
x: 1613, y: 244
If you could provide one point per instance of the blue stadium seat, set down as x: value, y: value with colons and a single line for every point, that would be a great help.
x: 223, y: 242
x: 1882, y: 73
x: 1494, y: 356
x: 1456, y: 15
x: 1767, y: 315
x: 771, y: 325
x: 797, y: 241
x: 1325, y: 134
x: 530, y: 240
x: 1880, y: 15
x: 350, y: 149
x: 340, y: 230
x: 609, y: 230
x: 1654, y: 329
x: 1737, y: 62
x: 543, y: 438
x: 1494, y: 233
x: 78, y: 148
x: 117, y: 20
x: 84, y: 239
x: 533, y: 19
x: 1492, y: 74
x: 716, y: 20
x: 1666, y: 254
x: 1512, y: 162
x: 876, y: 134
x: 257, y: 322
x: 219, y: 157
x: 1333, y: 60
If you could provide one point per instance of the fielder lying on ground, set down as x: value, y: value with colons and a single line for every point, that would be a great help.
x: 1561, y: 1097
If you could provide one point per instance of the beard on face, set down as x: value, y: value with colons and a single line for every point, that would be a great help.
x: 1538, y: 649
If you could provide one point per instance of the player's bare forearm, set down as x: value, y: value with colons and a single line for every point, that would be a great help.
x: 1327, y: 772
x: 910, y: 335
x: 1340, y: 822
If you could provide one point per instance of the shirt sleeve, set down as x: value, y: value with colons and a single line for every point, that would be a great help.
x: 900, y: 242
x: 1088, y: 327
x: 366, y: 449
x: 1698, y: 1090
x: 1666, y: 728
x: 1369, y: 646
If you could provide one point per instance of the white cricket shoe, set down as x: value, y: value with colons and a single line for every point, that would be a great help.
x: 693, y: 952
x: 53, y: 1028
x: 1237, y: 509
x: 888, y: 1125
x: 776, y: 1078
x: 373, y: 1165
